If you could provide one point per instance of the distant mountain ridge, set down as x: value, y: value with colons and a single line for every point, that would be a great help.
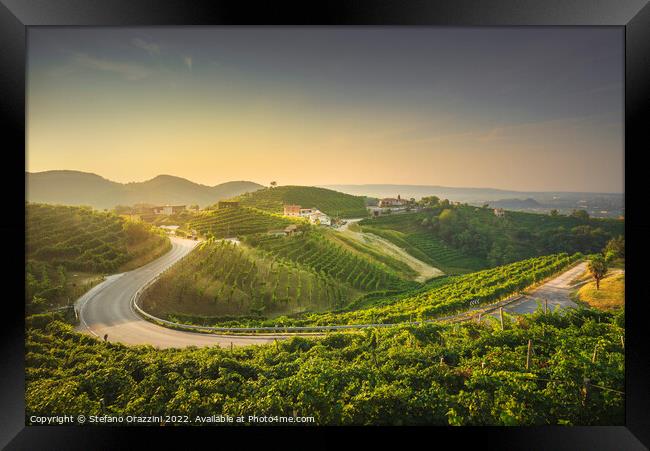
x: 67, y: 187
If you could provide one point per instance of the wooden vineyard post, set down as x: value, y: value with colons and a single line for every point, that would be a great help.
x: 545, y: 306
x: 501, y: 316
x: 231, y: 346
x: 479, y: 316
x: 622, y: 342
x: 593, y: 357
x: 530, y: 348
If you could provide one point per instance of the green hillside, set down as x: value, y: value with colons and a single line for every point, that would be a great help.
x: 61, y: 239
x: 220, y: 279
x: 430, y: 250
x: 333, y: 203
x: 464, y: 238
x: 440, y: 297
x: 238, y: 221
x: 314, y: 250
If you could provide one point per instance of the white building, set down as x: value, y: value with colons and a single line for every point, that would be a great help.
x: 318, y: 217
x: 314, y: 215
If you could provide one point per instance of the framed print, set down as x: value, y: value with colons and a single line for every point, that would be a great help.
x: 329, y: 220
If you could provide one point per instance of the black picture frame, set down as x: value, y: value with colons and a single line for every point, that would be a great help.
x: 633, y: 15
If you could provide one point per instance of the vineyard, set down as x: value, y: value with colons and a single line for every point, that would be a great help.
x: 314, y: 250
x: 239, y: 221
x: 431, y: 250
x: 438, y: 298
x: 221, y: 279
x: 468, y: 374
x: 60, y: 239
x: 401, y: 268
x: 333, y: 203
x: 84, y: 239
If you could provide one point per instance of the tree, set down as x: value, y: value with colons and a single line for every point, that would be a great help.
x: 274, y: 184
x: 580, y: 214
x: 429, y: 201
x: 554, y: 212
x: 597, y: 267
x: 615, y: 248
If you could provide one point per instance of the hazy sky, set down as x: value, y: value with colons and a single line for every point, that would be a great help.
x: 513, y: 108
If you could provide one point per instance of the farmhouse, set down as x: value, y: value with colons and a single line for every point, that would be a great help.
x: 227, y: 204
x: 392, y: 202
x: 292, y: 210
x: 168, y: 209
x: 318, y: 217
x: 499, y: 212
x: 314, y: 215
x: 290, y: 229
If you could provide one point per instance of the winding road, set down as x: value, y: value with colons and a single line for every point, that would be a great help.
x: 106, y: 309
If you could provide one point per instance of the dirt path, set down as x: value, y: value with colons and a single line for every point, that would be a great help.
x: 424, y: 270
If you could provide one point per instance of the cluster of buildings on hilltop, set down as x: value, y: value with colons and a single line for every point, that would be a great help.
x: 392, y: 202
x: 390, y: 205
x: 167, y: 209
x: 315, y: 216
x: 140, y: 211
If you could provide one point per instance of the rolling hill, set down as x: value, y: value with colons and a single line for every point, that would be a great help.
x: 82, y: 188
x: 62, y: 240
x: 331, y: 202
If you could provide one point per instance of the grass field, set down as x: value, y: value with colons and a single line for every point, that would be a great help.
x: 610, y: 296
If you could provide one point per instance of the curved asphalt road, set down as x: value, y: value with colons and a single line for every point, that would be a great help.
x: 106, y: 309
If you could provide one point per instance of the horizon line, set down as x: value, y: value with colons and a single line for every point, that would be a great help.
x: 326, y: 185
